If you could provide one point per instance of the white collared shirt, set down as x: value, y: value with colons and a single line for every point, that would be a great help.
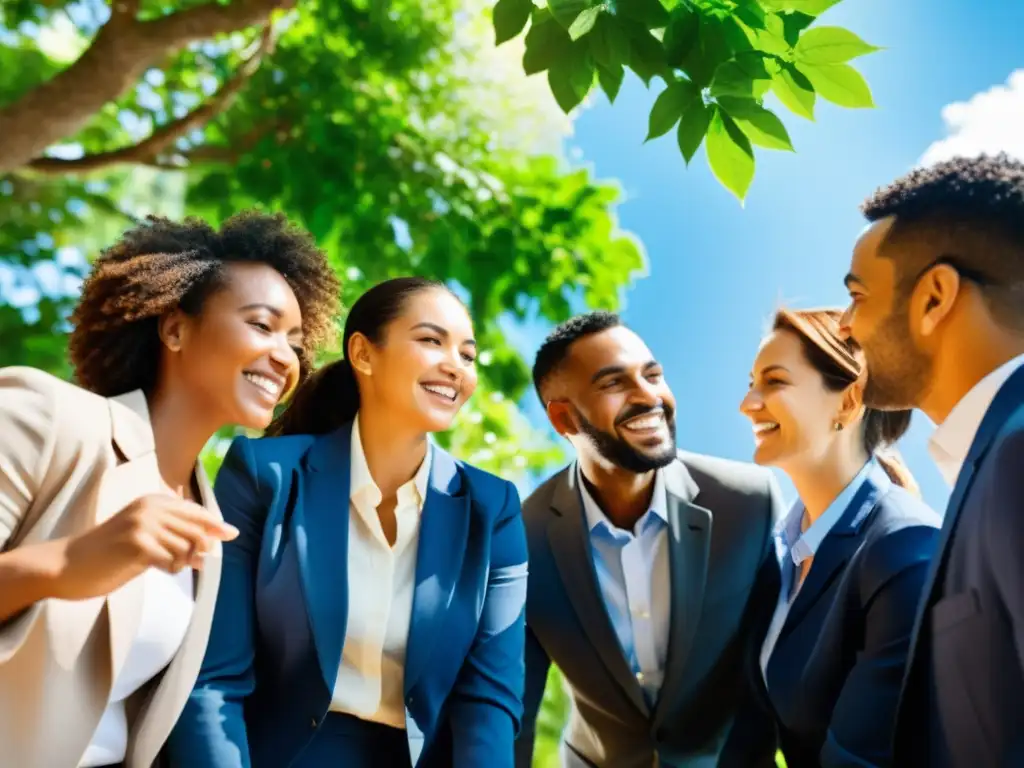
x: 382, y: 579
x: 167, y: 605
x: 633, y: 575
x: 952, y: 439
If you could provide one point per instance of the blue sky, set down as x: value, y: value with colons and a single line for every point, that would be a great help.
x: 718, y: 270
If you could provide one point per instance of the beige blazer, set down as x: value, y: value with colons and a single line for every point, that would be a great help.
x: 69, y: 459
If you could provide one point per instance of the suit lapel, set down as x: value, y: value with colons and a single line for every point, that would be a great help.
x: 137, y: 475
x: 1007, y: 400
x: 321, y: 529
x: 157, y: 716
x: 689, y: 547
x: 836, y: 549
x: 443, y: 534
x: 570, y: 544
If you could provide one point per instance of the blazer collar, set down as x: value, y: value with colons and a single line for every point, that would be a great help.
x: 132, y: 429
x: 444, y: 531
x: 334, y: 450
x: 689, y: 540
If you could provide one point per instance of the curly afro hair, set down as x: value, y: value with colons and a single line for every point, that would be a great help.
x: 966, y: 212
x: 161, y: 265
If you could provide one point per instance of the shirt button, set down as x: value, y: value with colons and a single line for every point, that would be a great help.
x: 640, y: 677
x: 312, y: 722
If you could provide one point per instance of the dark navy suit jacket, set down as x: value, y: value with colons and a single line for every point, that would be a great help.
x: 963, y: 698
x: 275, y: 646
x: 834, y: 674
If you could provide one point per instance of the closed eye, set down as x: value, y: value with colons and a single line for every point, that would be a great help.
x: 431, y: 340
x: 261, y: 326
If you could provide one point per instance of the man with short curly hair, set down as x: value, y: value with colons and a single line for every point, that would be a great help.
x: 937, y: 289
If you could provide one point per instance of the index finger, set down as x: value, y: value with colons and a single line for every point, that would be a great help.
x: 200, y: 515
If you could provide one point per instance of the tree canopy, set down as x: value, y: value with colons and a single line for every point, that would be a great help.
x: 378, y: 126
x: 718, y: 60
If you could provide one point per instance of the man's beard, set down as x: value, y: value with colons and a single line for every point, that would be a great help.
x: 620, y: 453
x: 898, y: 372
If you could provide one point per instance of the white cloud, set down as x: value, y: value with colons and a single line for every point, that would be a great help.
x: 989, y: 122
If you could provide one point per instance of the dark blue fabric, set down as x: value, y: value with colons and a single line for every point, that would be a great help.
x: 266, y: 681
x: 962, y: 694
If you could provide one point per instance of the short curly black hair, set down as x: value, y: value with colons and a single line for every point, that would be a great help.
x: 161, y: 265
x: 969, y: 213
x: 553, y: 351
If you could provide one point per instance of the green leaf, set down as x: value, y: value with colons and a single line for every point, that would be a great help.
x: 839, y: 83
x: 669, y: 107
x: 608, y: 43
x: 692, y: 128
x: 680, y: 34
x: 610, y: 79
x: 571, y: 77
x: 546, y: 42
x: 510, y: 17
x: 730, y: 155
x: 646, y: 55
x: 744, y: 76
x: 795, y: 91
x: 584, y: 22
x: 830, y: 45
x: 650, y: 13
x: 760, y: 125
x: 793, y: 24
x: 711, y: 50
x: 567, y: 11
x: 810, y: 7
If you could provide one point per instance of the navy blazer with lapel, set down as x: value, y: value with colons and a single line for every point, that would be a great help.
x: 835, y: 671
x: 275, y: 647
x: 964, y: 687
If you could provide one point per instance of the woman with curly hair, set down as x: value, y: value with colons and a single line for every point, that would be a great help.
x: 110, y: 536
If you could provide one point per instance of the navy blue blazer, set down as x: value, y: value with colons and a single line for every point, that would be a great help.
x: 835, y: 671
x: 275, y: 646
x: 963, y: 693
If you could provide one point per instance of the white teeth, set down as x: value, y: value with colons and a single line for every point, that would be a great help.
x: 448, y: 392
x: 269, y: 386
x: 768, y: 426
x: 645, y: 422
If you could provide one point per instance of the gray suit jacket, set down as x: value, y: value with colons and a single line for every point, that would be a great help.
x: 725, y: 576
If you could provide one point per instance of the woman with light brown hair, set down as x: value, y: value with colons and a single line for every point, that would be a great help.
x: 853, y: 552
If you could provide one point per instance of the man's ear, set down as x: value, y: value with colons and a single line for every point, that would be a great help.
x: 934, y: 297
x: 562, y: 416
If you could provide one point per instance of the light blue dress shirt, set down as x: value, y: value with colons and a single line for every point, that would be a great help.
x: 793, y: 547
x: 633, y: 574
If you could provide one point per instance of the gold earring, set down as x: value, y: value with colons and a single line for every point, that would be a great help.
x: 839, y: 426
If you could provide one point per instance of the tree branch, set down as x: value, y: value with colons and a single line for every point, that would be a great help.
x: 118, y: 55
x: 149, y: 150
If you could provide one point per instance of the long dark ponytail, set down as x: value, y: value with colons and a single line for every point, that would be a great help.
x: 330, y: 397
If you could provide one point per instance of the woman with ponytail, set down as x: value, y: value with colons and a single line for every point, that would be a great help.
x: 853, y: 552
x: 371, y: 611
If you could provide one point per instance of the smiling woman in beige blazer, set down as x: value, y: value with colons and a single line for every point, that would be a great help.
x: 109, y: 533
